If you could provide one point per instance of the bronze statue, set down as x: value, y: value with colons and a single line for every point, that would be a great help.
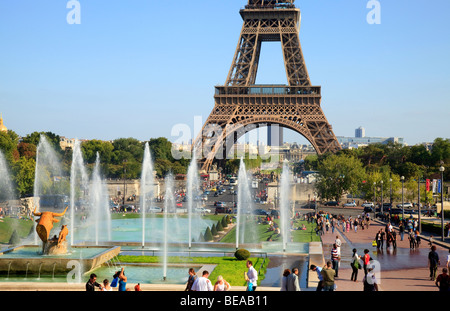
x: 43, y: 228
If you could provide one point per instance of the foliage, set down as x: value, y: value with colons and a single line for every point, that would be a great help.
x: 242, y: 254
x: 339, y: 174
x: 208, y: 235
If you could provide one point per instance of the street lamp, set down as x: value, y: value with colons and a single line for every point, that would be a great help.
x: 418, y: 202
x: 442, y: 169
x: 390, y: 195
x: 374, y: 197
x: 382, y: 208
x: 403, y: 203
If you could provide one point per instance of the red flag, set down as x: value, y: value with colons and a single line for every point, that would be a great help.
x: 428, y: 184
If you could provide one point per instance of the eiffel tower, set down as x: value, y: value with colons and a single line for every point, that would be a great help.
x: 241, y: 106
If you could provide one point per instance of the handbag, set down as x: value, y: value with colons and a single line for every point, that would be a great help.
x: 114, y: 282
x: 374, y: 243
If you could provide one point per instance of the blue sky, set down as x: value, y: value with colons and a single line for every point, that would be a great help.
x: 137, y: 68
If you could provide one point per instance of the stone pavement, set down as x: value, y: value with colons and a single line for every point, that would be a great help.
x: 400, y: 270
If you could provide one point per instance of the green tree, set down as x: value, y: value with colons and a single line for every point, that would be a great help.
x: 91, y: 147
x: 161, y: 148
x: 208, y: 235
x: 24, y: 175
x: 440, y: 151
x: 7, y: 146
x: 339, y: 174
x: 52, y: 138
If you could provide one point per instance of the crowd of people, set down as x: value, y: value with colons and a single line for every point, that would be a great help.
x: 194, y: 282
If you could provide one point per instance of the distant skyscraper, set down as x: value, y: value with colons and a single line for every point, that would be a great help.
x: 360, y: 132
x: 274, y: 135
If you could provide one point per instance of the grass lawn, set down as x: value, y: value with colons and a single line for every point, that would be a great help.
x: 300, y: 236
x: 230, y: 268
x: 8, y: 225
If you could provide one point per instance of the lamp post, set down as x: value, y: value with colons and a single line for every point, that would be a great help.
x: 390, y: 195
x: 403, y: 203
x: 418, y: 202
x: 382, y: 208
x: 442, y: 169
x: 374, y: 195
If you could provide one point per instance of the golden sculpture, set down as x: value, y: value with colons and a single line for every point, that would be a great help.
x: 56, y: 245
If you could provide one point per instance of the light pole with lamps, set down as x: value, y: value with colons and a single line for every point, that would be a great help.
x: 390, y: 197
x: 382, y: 208
x: 418, y: 202
x: 442, y: 169
x: 374, y: 194
x: 403, y: 203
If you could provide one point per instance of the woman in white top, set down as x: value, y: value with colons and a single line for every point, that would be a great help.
x: 221, y: 285
x: 106, y: 287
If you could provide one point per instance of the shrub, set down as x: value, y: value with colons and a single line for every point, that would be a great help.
x: 242, y: 254
x: 208, y: 235
x: 224, y: 222
x: 214, y: 230
x: 15, y: 239
x: 219, y: 226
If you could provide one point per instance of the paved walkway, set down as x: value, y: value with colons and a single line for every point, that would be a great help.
x: 400, y: 270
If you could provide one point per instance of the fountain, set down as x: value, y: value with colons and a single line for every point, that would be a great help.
x: 244, y: 208
x: 99, y: 215
x: 169, y: 205
x: 146, y: 188
x: 78, y: 184
x: 192, y: 188
x: 49, y: 184
x: 7, y: 192
x: 285, y: 214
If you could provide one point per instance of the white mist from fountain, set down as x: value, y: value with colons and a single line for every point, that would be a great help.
x: 7, y: 192
x: 146, y: 188
x: 79, y: 183
x: 285, y: 213
x: 99, y: 214
x: 48, y: 175
x: 192, y: 190
x: 244, y: 208
x: 169, y: 207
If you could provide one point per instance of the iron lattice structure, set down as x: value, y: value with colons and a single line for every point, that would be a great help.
x: 240, y: 105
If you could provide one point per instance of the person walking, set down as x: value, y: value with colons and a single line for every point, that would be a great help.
x: 382, y: 238
x: 401, y: 229
x: 203, y: 284
x: 412, y: 240
x: 328, y: 277
x: 443, y: 281
x: 318, y: 270
x: 292, y: 281
x: 394, y: 239
x: 355, y: 265
x: 370, y: 283
x: 366, y: 261
x: 433, y: 262
x: 378, y: 239
x: 191, y: 279
x: 284, y: 280
x: 251, y: 277
x: 335, y: 258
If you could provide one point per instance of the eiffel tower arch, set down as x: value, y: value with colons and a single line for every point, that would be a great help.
x: 240, y: 105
